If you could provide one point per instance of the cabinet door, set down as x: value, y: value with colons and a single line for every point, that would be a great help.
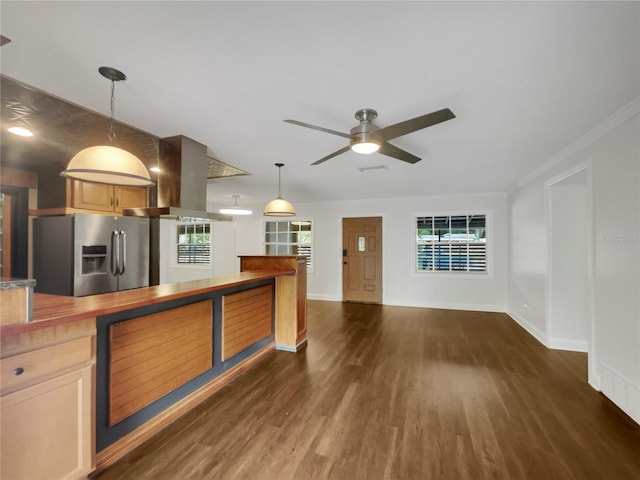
x: 129, y: 197
x: 47, y: 430
x: 92, y: 196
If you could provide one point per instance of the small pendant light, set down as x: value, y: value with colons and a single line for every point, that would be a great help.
x: 279, y: 207
x: 235, y: 209
x: 107, y: 163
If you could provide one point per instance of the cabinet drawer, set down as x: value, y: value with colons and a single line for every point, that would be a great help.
x: 30, y: 366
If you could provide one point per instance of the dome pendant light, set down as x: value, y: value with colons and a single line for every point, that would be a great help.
x: 107, y: 163
x: 235, y: 209
x: 279, y: 207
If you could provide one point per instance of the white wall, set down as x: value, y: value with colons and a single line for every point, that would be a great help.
x: 612, y: 154
x: 401, y: 285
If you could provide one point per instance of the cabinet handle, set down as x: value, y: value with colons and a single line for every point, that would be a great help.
x: 117, y: 202
x: 18, y: 371
x: 111, y: 202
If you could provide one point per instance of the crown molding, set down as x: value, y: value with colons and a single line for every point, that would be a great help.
x: 625, y: 113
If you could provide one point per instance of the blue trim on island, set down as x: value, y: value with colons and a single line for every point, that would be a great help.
x: 107, y: 435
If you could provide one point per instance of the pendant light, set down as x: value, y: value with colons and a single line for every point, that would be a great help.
x: 107, y: 163
x: 279, y: 207
x: 235, y: 209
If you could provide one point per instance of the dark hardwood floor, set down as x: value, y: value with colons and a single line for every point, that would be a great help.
x: 400, y: 393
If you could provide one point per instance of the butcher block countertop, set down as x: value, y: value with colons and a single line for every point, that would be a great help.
x: 50, y: 310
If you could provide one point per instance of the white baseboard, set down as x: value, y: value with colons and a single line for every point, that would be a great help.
x: 621, y: 391
x: 472, y: 307
x: 399, y: 303
x: 529, y: 327
x: 326, y: 298
x: 568, y: 344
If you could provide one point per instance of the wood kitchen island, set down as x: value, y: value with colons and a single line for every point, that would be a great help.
x: 91, y: 378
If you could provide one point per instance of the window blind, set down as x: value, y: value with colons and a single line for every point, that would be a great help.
x: 452, y: 243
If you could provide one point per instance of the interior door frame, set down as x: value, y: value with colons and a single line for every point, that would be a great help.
x: 19, y: 231
x: 339, y: 250
x: 592, y: 364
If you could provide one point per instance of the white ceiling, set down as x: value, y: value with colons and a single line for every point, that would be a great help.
x: 525, y: 79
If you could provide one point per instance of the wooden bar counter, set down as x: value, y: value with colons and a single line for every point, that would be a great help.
x: 291, y: 298
x: 91, y: 378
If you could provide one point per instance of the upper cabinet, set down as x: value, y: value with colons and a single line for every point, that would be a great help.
x: 87, y: 197
x: 104, y: 198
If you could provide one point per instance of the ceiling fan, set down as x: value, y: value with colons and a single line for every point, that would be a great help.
x: 368, y: 138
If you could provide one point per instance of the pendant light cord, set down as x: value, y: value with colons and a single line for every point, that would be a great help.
x: 112, y: 130
x: 279, y: 165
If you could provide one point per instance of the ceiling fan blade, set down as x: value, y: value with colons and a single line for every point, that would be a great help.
x: 418, y: 123
x: 315, y: 127
x: 395, y: 152
x: 331, y: 155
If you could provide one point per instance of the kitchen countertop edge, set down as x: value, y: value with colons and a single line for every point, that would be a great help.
x: 13, y: 283
x: 52, y: 310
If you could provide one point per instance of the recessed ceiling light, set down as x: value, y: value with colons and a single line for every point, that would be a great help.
x: 20, y: 131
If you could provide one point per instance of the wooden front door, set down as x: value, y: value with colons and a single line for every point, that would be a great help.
x: 362, y: 259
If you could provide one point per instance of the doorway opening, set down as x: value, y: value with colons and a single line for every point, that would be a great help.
x: 569, y: 259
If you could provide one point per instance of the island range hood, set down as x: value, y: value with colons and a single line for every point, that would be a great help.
x: 180, y: 191
x: 181, y: 188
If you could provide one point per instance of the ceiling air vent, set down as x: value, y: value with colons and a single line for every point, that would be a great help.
x: 375, y: 168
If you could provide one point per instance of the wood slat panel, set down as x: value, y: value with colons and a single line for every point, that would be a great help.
x: 152, y: 355
x: 246, y: 319
x: 156, y: 385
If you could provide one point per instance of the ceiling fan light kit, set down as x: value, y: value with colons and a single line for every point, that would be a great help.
x: 363, y: 139
x: 367, y: 138
x: 107, y: 163
x: 279, y: 207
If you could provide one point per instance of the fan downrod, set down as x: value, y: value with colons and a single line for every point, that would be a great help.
x: 366, y: 114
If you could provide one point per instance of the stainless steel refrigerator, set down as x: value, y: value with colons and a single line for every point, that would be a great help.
x: 84, y: 254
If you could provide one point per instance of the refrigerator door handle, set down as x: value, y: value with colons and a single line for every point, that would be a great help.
x: 123, y: 258
x: 115, y: 251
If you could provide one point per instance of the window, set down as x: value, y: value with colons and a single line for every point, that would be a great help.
x: 289, y: 238
x: 451, y: 243
x: 194, y: 241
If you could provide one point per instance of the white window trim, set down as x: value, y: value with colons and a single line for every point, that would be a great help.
x: 294, y: 219
x: 174, y: 251
x: 488, y: 274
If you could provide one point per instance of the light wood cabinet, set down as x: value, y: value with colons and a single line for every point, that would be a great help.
x: 47, y: 403
x: 291, y: 296
x: 104, y: 198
